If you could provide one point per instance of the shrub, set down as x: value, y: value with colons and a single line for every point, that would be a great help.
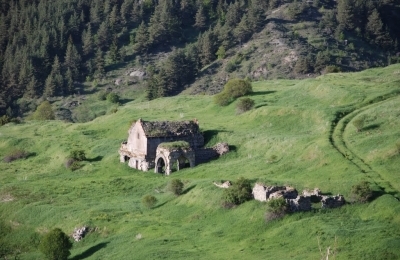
x: 77, y: 155
x: 15, y: 155
x: 332, y: 69
x: 244, y: 104
x: 238, y: 87
x: 361, y: 192
x: 359, y: 123
x: 230, y: 67
x: 149, y: 201
x: 222, y: 99
x: 238, y: 193
x: 44, y: 112
x: 102, y: 95
x: 277, y: 208
x: 176, y: 186
x: 55, y: 245
x: 113, y: 98
x: 4, y: 120
x: 233, y: 89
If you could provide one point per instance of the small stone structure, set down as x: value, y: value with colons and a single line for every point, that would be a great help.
x: 167, y: 146
x: 79, y: 233
x: 296, y: 202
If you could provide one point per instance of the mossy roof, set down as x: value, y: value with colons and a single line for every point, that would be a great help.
x: 170, y: 128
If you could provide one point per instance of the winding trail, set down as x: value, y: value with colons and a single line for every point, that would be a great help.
x: 336, y: 138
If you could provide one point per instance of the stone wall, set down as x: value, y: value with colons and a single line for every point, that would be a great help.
x: 296, y: 202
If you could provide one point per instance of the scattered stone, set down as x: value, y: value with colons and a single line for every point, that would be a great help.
x: 221, y: 148
x: 79, y: 233
x: 224, y: 185
x: 138, y: 73
x: 265, y: 193
x: 332, y: 202
x: 118, y: 82
x: 6, y: 198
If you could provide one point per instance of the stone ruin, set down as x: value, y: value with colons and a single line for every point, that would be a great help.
x: 295, y: 201
x: 224, y: 185
x: 167, y: 146
x: 79, y: 233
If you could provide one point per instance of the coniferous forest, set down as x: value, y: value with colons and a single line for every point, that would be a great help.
x: 48, y: 47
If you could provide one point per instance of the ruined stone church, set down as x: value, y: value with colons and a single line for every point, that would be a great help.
x: 166, y: 146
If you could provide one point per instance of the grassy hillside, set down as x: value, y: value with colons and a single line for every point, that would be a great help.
x: 301, y: 133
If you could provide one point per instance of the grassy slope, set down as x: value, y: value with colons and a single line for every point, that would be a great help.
x: 292, y: 122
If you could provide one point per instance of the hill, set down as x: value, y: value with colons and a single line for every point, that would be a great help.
x: 60, y: 50
x: 300, y: 133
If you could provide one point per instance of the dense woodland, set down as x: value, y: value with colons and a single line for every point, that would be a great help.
x: 48, y: 47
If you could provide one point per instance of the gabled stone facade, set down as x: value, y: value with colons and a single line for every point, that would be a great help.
x: 166, y: 145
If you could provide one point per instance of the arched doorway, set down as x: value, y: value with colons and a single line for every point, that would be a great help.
x: 160, y: 165
x: 183, y: 162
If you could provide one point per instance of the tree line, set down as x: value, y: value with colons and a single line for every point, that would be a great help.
x: 46, y: 47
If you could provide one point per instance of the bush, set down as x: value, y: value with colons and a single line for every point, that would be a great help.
x: 244, y: 104
x: 113, y: 98
x: 176, y: 187
x: 238, y: 87
x: 238, y: 193
x: 149, y: 201
x: 332, y: 69
x: 77, y: 155
x: 277, y: 208
x: 102, y: 95
x: 222, y: 99
x: 233, y: 89
x: 359, y: 123
x: 44, y: 112
x: 72, y: 164
x: 4, y: 120
x: 15, y: 155
x: 361, y: 192
x: 55, y: 245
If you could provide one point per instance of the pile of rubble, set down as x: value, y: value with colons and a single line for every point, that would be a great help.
x: 295, y: 201
x: 79, y: 233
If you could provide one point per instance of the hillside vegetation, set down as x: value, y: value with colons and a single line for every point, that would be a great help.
x: 57, y: 49
x: 300, y: 133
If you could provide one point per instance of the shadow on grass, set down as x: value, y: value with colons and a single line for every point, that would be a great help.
x: 95, y: 159
x: 160, y: 205
x: 232, y: 148
x: 123, y: 101
x: 264, y: 104
x: 259, y: 93
x: 188, y: 189
x: 89, y: 252
x: 210, y: 134
x: 371, y: 127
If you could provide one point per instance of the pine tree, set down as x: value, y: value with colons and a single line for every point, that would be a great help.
x: 200, y: 18
x: 141, y: 39
x: 72, y: 60
x: 100, y: 71
x: 345, y: 14
x: 87, y: 41
x: 242, y: 31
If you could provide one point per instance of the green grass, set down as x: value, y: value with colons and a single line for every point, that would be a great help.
x: 294, y: 122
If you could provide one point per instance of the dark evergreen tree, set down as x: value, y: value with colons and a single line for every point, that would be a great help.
x: 141, y: 39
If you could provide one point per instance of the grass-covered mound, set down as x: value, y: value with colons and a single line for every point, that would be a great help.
x: 300, y: 133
